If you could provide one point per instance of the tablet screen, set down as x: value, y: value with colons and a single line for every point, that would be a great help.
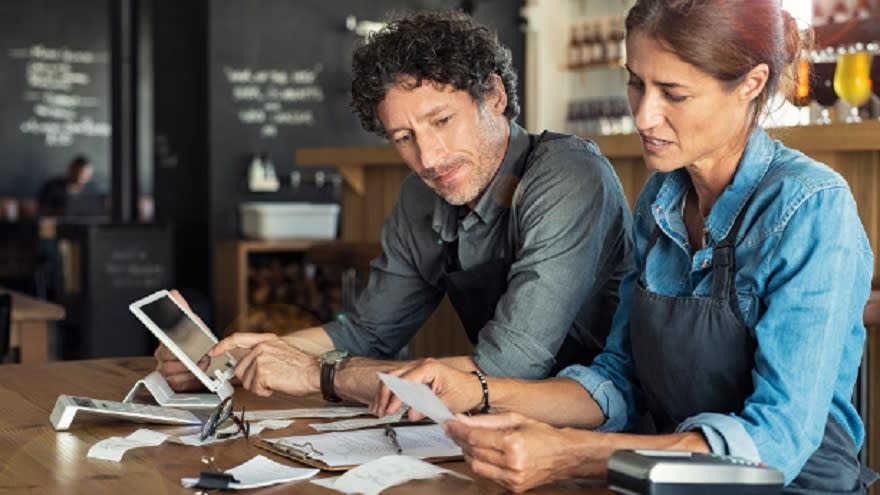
x: 188, y: 336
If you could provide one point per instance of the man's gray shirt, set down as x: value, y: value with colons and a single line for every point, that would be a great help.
x: 572, y: 245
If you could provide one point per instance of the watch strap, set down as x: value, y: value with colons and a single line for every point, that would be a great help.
x: 328, y: 375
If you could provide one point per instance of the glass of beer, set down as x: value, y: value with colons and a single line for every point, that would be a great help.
x: 875, y: 71
x: 852, y: 81
x: 822, y: 89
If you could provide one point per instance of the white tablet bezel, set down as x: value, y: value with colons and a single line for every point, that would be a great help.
x: 218, y: 384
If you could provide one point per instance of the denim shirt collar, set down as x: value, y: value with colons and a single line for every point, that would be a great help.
x: 494, y: 201
x: 750, y: 171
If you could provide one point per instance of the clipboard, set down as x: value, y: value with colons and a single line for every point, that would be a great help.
x: 306, y: 453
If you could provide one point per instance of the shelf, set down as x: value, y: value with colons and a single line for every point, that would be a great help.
x: 847, y: 33
x: 232, y: 264
x: 617, y: 64
x: 814, y: 138
x: 349, y: 161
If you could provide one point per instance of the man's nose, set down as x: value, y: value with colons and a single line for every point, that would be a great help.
x: 433, y: 150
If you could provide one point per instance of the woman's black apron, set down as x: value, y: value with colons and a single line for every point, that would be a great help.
x: 475, y: 292
x: 696, y: 354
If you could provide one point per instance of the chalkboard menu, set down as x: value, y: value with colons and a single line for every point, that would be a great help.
x: 115, y: 265
x: 55, y: 84
x: 279, y: 76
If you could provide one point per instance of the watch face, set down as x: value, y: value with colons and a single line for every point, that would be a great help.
x: 334, y: 356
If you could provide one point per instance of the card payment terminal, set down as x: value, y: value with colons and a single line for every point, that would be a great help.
x: 666, y: 472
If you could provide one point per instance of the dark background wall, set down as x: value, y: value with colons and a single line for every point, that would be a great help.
x: 229, y: 78
x: 55, y: 85
x: 237, y: 77
x: 301, y: 51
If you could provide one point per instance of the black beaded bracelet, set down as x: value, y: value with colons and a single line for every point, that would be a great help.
x: 485, y: 385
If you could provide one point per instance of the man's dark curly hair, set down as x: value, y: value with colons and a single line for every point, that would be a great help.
x: 445, y: 47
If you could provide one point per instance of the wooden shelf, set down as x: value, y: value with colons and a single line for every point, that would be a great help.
x: 847, y: 33
x: 231, y: 266
x: 349, y: 161
x: 864, y: 136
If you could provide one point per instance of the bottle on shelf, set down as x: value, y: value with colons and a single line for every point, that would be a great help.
x: 601, y: 30
x: 587, y: 40
x: 255, y: 173
x: 269, y: 174
x: 573, y: 54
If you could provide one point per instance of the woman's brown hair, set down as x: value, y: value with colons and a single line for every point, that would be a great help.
x: 726, y: 38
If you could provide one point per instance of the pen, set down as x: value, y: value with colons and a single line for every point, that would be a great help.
x: 389, y: 432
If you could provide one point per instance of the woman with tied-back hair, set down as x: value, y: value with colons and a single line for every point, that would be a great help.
x: 740, y: 331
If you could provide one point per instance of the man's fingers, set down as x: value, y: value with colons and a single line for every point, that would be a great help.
x: 241, y: 340
x: 177, y: 296
x: 162, y: 353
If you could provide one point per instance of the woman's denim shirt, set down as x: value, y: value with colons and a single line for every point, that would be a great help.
x: 804, y: 269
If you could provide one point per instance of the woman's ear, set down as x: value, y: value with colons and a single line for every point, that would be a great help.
x: 753, y: 82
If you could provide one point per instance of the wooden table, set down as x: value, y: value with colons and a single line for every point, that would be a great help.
x: 34, y: 459
x: 30, y: 325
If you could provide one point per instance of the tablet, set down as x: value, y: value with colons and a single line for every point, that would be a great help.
x: 187, y: 337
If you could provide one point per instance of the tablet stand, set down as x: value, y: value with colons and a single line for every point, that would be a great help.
x: 161, y: 391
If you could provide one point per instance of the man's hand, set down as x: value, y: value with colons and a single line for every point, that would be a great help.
x: 271, y: 364
x: 459, y: 390
x: 175, y: 373
x: 520, y: 453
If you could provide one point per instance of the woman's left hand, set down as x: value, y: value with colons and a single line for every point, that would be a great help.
x: 520, y: 453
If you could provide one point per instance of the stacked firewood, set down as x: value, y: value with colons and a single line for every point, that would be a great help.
x: 289, y: 294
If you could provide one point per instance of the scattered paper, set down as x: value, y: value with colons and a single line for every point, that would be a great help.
x: 346, y: 448
x: 260, y: 471
x: 356, y: 424
x: 373, y: 477
x: 306, y: 412
x: 113, y: 448
x: 231, y: 432
x: 419, y: 397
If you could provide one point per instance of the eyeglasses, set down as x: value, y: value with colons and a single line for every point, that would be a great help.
x: 220, y: 415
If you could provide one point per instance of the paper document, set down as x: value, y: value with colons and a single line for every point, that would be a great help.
x: 356, y: 424
x: 307, y: 412
x: 375, y: 476
x: 260, y: 471
x: 419, y: 397
x: 113, y: 448
x: 231, y: 432
x: 346, y: 448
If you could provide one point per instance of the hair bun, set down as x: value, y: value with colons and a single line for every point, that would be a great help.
x: 795, y: 39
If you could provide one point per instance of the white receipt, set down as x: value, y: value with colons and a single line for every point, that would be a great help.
x: 113, y: 448
x: 419, y: 397
x: 305, y: 412
x: 260, y: 471
x: 355, y: 424
x: 232, y: 432
x: 373, y: 477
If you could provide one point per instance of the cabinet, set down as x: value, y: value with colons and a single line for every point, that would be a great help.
x: 286, y: 285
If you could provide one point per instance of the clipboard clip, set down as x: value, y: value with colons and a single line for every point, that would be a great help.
x: 303, y: 450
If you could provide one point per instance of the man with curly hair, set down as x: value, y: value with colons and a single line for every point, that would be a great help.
x: 527, y: 235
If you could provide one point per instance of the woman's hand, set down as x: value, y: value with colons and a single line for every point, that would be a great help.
x: 459, y: 390
x: 520, y: 453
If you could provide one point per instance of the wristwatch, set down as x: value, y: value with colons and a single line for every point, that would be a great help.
x: 330, y: 362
